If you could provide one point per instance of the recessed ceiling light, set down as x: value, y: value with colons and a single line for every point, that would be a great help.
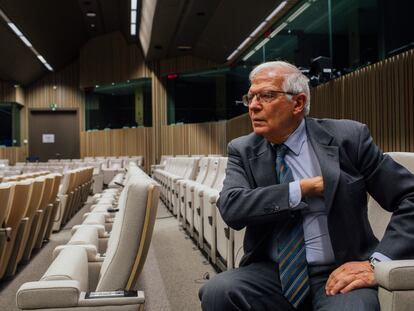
x: 184, y: 47
x: 91, y: 14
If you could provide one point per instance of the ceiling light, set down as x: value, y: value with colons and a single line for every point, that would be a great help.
x: 133, y: 16
x: 275, y: 11
x: 184, y: 47
x: 133, y: 29
x: 25, y: 41
x: 244, y: 43
x: 133, y: 4
x: 258, y: 29
x: 278, y: 29
x: 298, y: 12
x: 249, y: 55
x: 48, y: 67
x: 91, y: 14
x: 261, y: 44
x: 92, y: 25
x: 15, y: 29
x: 40, y: 57
x: 232, y: 54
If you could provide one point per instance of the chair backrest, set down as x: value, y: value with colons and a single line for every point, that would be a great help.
x: 130, y: 236
x: 378, y: 217
x: 221, y: 174
x: 211, y: 172
x: 6, y: 193
x: 20, y: 203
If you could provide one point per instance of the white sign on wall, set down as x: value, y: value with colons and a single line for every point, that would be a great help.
x: 48, y: 138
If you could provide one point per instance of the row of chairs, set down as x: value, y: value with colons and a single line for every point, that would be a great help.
x: 29, y: 206
x: 73, y: 193
x: 190, y: 189
x: 105, y: 254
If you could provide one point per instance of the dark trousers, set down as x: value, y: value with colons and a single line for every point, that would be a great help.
x: 257, y: 287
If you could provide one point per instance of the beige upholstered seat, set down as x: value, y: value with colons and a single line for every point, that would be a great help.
x: 6, y: 197
x: 78, y: 268
x: 20, y: 203
x: 24, y: 236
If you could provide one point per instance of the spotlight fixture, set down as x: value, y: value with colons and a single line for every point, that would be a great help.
x: 90, y: 14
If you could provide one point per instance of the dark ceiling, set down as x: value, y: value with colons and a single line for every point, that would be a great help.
x: 57, y: 29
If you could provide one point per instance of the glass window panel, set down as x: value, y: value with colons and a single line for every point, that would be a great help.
x: 9, y: 124
x: 119, y: 105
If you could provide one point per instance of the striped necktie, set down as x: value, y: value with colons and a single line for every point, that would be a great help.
x: 291, y: 246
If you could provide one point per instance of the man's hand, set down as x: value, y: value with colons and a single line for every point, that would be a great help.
x: 350, y: 276
x: 311, y: 187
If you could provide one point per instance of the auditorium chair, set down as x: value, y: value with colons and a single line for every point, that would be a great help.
x: 6, y: 197
x: 26, y: 226
x: 39, y: 216
x: 188, y: 172
x: 182, y: 184
x: 79, y: 269
x: 15, y: 219
x: 193, y: 192
x: 205, y: 213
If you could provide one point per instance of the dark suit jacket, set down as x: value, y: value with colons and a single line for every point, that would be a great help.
x: 351, y: 165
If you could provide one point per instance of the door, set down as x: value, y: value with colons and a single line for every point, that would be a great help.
x: 54, y: 134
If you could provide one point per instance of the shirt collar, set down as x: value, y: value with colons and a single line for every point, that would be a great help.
x: 296, y: 140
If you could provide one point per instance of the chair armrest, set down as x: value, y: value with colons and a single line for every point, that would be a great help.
x: 101, y: 230
x: 48, y: 294
x: 395, y: 274
x: 212, y: 195
x: 116, y: 301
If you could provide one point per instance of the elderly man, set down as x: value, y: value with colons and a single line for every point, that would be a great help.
x: 299, y: 187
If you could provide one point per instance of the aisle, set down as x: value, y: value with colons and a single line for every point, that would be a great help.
x: 174, y: 269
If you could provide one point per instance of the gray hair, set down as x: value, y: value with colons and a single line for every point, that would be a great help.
x: 295, y: 81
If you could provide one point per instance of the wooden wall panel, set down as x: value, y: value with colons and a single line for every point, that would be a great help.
x: 380, y: 95
x: 7, y: 92
x: 66, y: 94
x: 108, y: 58
x: 238, y: 126
x: 14, y: 154
x: 197, y: 138
x: 117, y: 142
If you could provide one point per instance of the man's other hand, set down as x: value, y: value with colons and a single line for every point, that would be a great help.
x: 312, y: 187
x: 350, y: 276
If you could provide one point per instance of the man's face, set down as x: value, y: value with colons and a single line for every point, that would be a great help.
x: 274, y: 120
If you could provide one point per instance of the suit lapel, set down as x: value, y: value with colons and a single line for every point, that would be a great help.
x: 263, y: 164
x: 328, y: 156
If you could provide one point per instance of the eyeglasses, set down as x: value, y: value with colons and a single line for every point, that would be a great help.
x: 263, y: 97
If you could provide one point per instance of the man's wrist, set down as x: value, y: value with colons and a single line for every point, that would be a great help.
x: 373, y: 261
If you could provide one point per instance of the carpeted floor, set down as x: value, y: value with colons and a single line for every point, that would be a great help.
x: 173, y: 272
